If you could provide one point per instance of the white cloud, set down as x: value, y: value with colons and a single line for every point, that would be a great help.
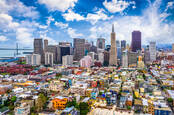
x: 99, y: 15
x: 24, y: 36
x: 71, y: 16
x: 61, y: 25
x: 60, y: 5
x: 3, y: 38
x: 17, y: 8
x: 93, y: 18
x: 150, y: 24
x: 49, y: 20
x: 72, y: 33
x: 117, y: 5
x: 7, y: 23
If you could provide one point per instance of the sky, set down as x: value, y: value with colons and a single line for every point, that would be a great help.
x: 62, y: 20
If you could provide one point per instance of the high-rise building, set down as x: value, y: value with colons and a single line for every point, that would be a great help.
x: 136, y: 41
x: 38, y: 48
x: 106, y: 58
x: 123, y: 44
x: 79, y: 48
x: 100, y: 43
x: 173, y: 47
x: 87, y: 47
x: 67, y: 60
x: 45, y: 45
x: 125, y: 59
x: 53, y: 49
x: 33, y: 59
x: 48, y: 58
x: 132, y: 58
x: 101, y: 58
x: 64, y: 50
x: 118, y: 49
x: 152, y: 50
x: 113, y: 50
x: 147, y: 55
x: 93, y: 48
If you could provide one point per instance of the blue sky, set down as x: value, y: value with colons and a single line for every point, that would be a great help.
x: 62, y: 20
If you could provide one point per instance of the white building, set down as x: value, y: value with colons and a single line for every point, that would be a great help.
x: 48, y: 58
x: 33, y: 59
x: 101, y: 57
x: 152, y: 50
x: 124, y: 59
x: 86, y: 62
x: 67, y: 60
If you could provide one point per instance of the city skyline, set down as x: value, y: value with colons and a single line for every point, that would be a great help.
x: 62, y: 21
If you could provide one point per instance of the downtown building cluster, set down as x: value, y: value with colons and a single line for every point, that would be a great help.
x: 84, y: 79
x: 85, y: 54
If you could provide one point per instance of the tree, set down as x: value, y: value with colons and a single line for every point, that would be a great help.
x: 129, y: 107
x: 72, y: 103
x: 13, y: 99
x: 58, y: 75
x: 170, y: 100
x: 84, y: 108
x: 41, y: 102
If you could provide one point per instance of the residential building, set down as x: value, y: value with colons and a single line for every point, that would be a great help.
x: 59, y: 103
x: 23, y: 109
x: 33, y: 59
x: 48, y: 58
x: 67, y: 60
x: 152, y: 50
x: 86, y: 61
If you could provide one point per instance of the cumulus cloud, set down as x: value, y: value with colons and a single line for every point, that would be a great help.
x: 7, y: 23
x: 151, y: 24
x: 24, y: 36
x: 99, y: 15
x: 60, y: 5
x: 73, y: 34
x: 61, y: 25
x: 71, y: 16
x: 117, y: 5
x: 3, y: 38
x: 17, y: 8
x: 93, y: 18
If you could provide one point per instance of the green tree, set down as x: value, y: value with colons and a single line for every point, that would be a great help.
x: 170, y: 100
x: 129, y: 107
x: 58, y: 75
x: 84, y: 108
x: 41, y: 102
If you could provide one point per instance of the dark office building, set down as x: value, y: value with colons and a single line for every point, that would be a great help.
x: 123, y: 44
x: 64, y: 50
x: 136, y: 41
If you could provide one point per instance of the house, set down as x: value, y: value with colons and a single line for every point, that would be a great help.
x: 59, y: 103
x: 138, y: 105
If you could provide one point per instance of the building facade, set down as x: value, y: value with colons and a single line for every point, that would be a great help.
x: 33, y: 59
x: 100, y: 43
x: 113, y: 50
x: 79, y: 48
x: 136, y: 41
x: 49, y: 58
x: 152, y: 50
x: 67, y: 60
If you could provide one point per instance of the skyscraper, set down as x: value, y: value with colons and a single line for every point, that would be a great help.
x: 79, y: 48
x: 45, y: 45
x: 152, y: 50
x: 136, y: 41
x: 123, y: 44
x: 173, y: 47
x: 100, y: 43
x: 38, y: 48
x: 113, y: 50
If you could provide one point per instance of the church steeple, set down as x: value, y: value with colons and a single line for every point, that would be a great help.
x: 112, y: 27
